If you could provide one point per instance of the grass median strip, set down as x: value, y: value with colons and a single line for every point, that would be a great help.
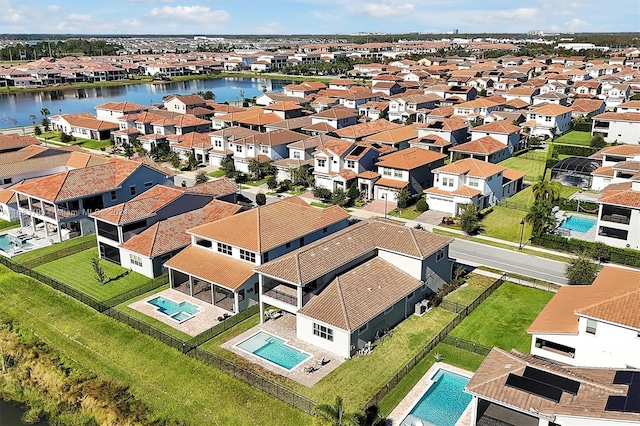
x: 173, y: 385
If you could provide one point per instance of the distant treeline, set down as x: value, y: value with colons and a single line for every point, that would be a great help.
x: 58, y: 49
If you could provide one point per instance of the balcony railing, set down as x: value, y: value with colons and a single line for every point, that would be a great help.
x: 282, y: 296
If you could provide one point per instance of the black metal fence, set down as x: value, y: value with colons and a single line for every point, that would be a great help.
x: 467, y: 345
x: 451, y: 306
x: 223, y: 326
x: 255, y: 380
x: 67, y: 251
x: 391, y: 384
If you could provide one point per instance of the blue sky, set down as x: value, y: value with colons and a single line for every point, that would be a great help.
x: 315, y: 16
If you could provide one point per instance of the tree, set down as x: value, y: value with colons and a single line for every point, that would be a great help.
x: 353, y: 192
x: 403, y: 197
x: 128, y: 149
x: 540, y: 217
x: 457, y: 156
x: 254, y: 169
x: 191, y: 161
x: 321, y: 193
x: 469, y: 219
x: 201, y: 177
x: 371, y: 417
x: 271, y: 181
x: 301, y: 176
x: 339, y: 197
x: 174, y: 159
x: 546, y: 190
x: 581, y: 270
x: 554, y: 133
x: 37, y: 131
x: 334, y: 415
x: 261, y: 199
x: 98, y: 272
x: 45, y: 113
x: 601, y: 252
x: 228, y: 167
x: 422, y: 205
x: 45, y: 124
x: 597, y: 141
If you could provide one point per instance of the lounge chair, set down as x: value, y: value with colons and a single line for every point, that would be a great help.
x: 322, y: 361
x: 310, y: 369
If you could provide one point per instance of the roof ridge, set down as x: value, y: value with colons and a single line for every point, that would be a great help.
x: 413, y: 237
x: 155, y: 236
x: 611, y: 299
x: 342, y: 303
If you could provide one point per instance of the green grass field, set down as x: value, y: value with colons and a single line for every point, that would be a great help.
x: 533, y: 168
x: 357, y: 379
x: 33, y: 254
x: 5, y: 224
x: 575, y: 138
x: 76, y: 271
x: 216, y: 174
x: 504, y: 223
x: 473, y: 287
x: 93, y: 144
x: 409, y: 213
x: 171, y: 384
x: 503, y: 318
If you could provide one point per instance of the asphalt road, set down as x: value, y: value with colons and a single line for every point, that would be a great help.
x: 471, y: 253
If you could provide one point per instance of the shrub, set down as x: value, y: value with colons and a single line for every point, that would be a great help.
x: 261, y: 199
x: 321, y: 193
x: 271, y: 182
x: 422, y: 205
x: 240, y: 177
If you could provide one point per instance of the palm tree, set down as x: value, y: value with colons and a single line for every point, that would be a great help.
x: 44, y: 112
x: 371, y: 417
x: 546, y: 190
x: 540, y: 217
x: 33, y: 118
x: 334, y: 415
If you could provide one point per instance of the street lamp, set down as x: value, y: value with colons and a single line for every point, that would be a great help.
x: 521, y: 233
x: 385, y: 204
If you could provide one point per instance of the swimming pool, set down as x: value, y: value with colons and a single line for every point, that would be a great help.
x: 442, y: 404
x: 179, y: 312
x: 9, y: 243
x: 274, y: 350
x: 578, y: 224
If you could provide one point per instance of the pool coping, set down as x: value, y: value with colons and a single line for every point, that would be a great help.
x: 579, y: 216
x: 284, y: 342
x: 157, y: 309
x: 416, y: 393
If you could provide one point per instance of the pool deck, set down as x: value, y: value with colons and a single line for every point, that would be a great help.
x: 408, y: 402
x: 36, y: 241
x: 285, y: 328
x: 590, y: 235
x: 206, y: 317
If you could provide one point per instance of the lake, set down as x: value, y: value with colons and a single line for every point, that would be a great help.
x: 20, y: 106
x: 11, y: 413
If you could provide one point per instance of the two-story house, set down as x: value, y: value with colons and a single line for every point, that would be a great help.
x: 411, y: 167
x: 476, y: 108
x: 221, y: 142
x: 62, y: 202
x: 485, y: 148
x: 502, y: 131
x: 355, y: 284
x: 83, y: 125
x: 263, y: 147
x: 111, y: 111
x: 622, y: 127
x: 405, y: 107
x: 543, y: 119
x: 586, y: 107
x: 453, y: 129
x: 333, y: 119
x: 182, y: 103
x: 619, y: 208
x: 359, y: 131
x: 118, y: 226
x: 471, y: 181
x: 338, y: 162
x: 218, y: 266
x: 300, y: 155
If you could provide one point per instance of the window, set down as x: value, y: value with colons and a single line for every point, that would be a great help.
x: 296, y: 155
x: 241, y: 295
x: 439, y: 255
x: 264, y: 149
x: 238, y: 148
x: 322, y: 162
x: 363, y: 328
x: 132, y: 189
x: 248, y: 256
x: 547, y: 119
x: 324, y: 230
x: 388, y: 310
x: 323, y: 332
x: 474, y: 182
x: 148, y: 184
x: 6, y: 181
x: 217, y: 144
x: 411, y: 295
x: 301, y: 241
x: 591, y: 326
x: 224, y: 248
x: 265, y: 257
x: 351, y: 164
x: 397, y: 173
x: 288, y: 245
x: 113, y: 195
x: 135, y: 260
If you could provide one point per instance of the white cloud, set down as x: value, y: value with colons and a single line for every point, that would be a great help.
x: 273, y: 27
x: 78, y: 17
x: 384, y: 10
x: 53, y: 8
x: 576, y: 24
x: 189, y: 13
x: 149, y: 1
x: 131, y: 23
x: 525, y: 14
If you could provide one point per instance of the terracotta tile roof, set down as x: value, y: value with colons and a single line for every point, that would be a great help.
x: 434, y: 140
x: 88, y: 121
x: 442, y: 112
x: 559, y: 315
x: 254, y: 229
x: 511, y: 174
x: 596, y: 385
x: 260, y: 119
x: 477, y: 103
x: 618, y: 116
x: 190, y: 140
x: 338, y: 249
x: 621, y: 150
x: 586, y: 105
x: 447, y: 124
x: 486, y: 145
x: 437, y: 191
x: 273, y: 138
x: 628, y: 198
x: 291, y: 123
x: 395, y: 136
x: 171, y: 234
x: 410, y: 158
x: 368, y: 175
x: 361, y: 130
x: 472, y: 167
x: 240, y: 115
x: 391, y: 183
x: 630, y: 104
x: 550, y: 110
x: 313, y: 142
x: 516, y: 103
x: 320, y: 127
x: 603, y: 171
x: 465, y: 191
x: 360, y: 294
x: 12, y: 141
x: 186, y: 99
x: 335, y: 146
x: 500, y: 126
x: 213, y: 267
x: 234, y: 132
x: 347, y: 174
x: 336, y: 113
x: 123, y: 107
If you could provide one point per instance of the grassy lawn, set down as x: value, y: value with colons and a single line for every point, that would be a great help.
x: 357, y: 379
x: 216, y: 174
x: 92, y: 144
x: 409, y: 213
x: 5, y: 224
x: 503, y: 318
x: 76, y: 271
x: 452, y: 355
x: 504, y: 223
x: 123, y: 307
x: 256, y: 182
x: 321, y: 205
x: 473, y: 287
x: 575, y: 137
x: 171, y: 384
x: 532, y: 168
x: 33, y: 254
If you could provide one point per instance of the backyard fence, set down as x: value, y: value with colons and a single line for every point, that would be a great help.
x: 515, y: 205
x: 67, y: 251
x: 451, y: 306
x: 138, y: 291
x: 223, y: 326
x: 391, y: 384
x: 467, y: 345
x: 255, y: 380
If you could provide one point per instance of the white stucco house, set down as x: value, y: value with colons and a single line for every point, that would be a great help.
x: 621, y: 127
x: 543, y: 119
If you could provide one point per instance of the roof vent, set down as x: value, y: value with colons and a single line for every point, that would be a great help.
x: 369, y: 289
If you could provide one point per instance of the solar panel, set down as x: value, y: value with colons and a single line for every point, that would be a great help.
x: 636, y: 377
x: 615, y: 403
x: 567, y: 385
x: 623, y: 377
x: 632, y: 405
x: 534, y: 387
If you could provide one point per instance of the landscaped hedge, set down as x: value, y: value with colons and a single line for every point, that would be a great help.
x: 574, y: 150
x: 572, y: 205
x: 621, y: 256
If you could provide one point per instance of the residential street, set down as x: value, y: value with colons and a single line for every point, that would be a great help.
x: 472, y: 253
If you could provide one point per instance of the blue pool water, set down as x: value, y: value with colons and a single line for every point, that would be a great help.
x: 6, y: 245
x: 444, y: 402
x: 578, y: 224
x: 178, y: 311
x: 274, y: 350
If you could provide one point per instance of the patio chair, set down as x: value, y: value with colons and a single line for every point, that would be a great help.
x: 310, y: 369
x: 322, y: 361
